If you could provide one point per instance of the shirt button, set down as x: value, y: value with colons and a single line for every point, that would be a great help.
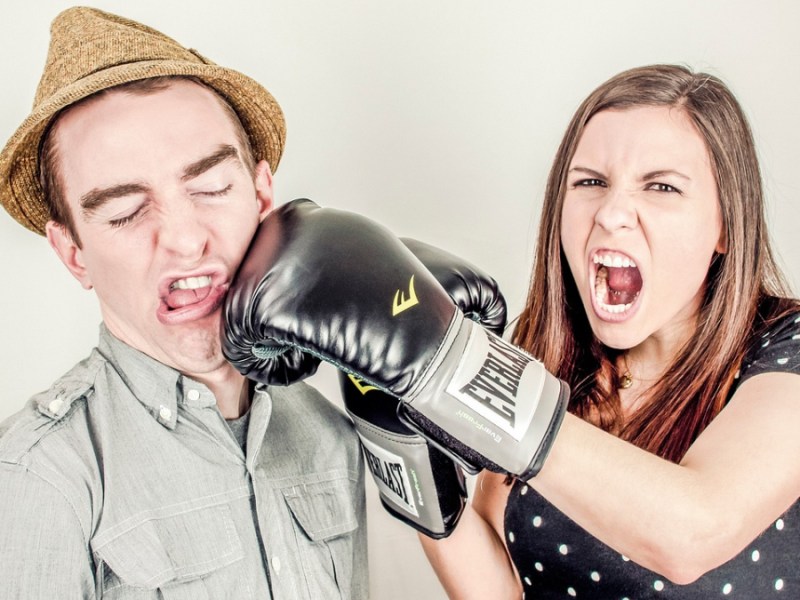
x: 55, y: 405
x: 276, y: 564
x: 164, y: 413
x: 193, y: 395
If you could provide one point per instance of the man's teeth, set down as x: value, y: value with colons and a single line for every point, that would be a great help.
x: 191, y: 283
x: 607, y: 260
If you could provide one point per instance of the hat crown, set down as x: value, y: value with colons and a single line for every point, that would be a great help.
x: 85, y: 40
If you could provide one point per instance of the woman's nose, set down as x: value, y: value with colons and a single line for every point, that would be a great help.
x: 617, y: 211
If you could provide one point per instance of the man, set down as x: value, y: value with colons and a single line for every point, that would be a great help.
x: 152, y: 469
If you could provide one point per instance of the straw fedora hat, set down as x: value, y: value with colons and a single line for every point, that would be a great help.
x: 91, y: 50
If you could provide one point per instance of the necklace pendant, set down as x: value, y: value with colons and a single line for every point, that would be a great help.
x: 625, y: 381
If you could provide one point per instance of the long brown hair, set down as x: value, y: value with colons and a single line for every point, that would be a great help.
x: 744, y: 286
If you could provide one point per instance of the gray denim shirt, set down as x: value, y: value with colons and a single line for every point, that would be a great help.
x: 124, y: 481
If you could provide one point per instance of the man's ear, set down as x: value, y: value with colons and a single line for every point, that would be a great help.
x: 264, y: 189
x: 69, y: 252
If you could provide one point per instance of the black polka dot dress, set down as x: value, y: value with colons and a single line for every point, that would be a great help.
x: 556, y: 558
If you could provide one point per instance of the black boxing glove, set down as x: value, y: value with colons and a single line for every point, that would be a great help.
x: 469, y: 289
x: 284, y: 366
x: 417, y: 483
x: 344, y: 289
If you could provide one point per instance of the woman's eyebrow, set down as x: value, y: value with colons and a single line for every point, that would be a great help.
x: 587, y: 171
x: 662, y: 173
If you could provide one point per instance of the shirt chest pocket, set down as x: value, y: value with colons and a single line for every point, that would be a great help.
x: 324, y: 514
x: 175, y: 557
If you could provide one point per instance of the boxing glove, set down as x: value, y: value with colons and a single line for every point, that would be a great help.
x: 284, y: 366
x: 416, y: 482
x: 344, y: 289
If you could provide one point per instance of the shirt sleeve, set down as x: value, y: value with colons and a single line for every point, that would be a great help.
x: 43, y: 550
x: 778, y: 350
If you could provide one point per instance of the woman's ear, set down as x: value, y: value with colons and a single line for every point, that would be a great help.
x: 722, y: 243
x: 68, y: 251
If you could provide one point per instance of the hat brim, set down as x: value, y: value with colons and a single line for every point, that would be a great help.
x: 21, y: 193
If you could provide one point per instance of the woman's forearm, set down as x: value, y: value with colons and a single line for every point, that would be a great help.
x: 472, y: 562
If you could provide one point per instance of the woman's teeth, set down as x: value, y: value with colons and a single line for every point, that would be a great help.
x: 613, y: 261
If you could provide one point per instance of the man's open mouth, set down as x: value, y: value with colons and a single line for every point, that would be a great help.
x: 190, y: 290
x: 187, y: 299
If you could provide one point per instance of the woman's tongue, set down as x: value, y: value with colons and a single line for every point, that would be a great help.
x: 618, y: 285
x: 179, y: 298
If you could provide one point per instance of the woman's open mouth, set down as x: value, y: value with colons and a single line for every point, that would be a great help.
x: 617, y: 284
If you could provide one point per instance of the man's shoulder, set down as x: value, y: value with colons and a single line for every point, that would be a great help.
x: 303, y: 398
x: 301, y: 408
x: 53, y: 412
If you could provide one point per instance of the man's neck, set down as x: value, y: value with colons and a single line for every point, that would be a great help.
x: 231, y: 390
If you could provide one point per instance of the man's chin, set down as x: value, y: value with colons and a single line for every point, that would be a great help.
x: 195, y: 349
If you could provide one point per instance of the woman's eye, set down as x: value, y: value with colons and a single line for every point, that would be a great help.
x: 663, y: 187
x: 590, y: 183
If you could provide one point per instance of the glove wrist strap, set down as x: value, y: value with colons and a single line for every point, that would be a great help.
x: 495, y: 399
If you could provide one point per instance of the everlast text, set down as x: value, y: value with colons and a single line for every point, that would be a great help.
x: 390, y: 474
x: 497, y: 382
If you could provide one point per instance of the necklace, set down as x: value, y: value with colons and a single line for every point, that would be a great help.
x: 626, y: 379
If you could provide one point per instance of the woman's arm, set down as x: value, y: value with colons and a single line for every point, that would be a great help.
x: 684, y: 520
x: 473, y: 561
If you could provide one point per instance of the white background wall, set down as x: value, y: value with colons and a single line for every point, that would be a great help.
x: 438, y: 118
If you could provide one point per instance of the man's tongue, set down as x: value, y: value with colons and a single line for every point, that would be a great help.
x: 180, y: 298
x: 623, y: 284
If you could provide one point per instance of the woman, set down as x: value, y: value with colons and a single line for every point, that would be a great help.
x: 655, y: 295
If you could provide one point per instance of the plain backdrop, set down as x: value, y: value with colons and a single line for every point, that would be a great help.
x: 438, y: 118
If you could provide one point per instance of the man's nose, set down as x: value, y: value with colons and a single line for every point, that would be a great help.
x: 183, y: 231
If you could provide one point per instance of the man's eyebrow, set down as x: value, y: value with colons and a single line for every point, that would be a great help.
x: 225, y: 152
x: 93, y: 200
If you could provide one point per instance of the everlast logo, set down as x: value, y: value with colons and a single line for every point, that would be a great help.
x: 496, y: 384
x: 391, y: 474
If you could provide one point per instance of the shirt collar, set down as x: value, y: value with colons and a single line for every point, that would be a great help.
x: 158, y: 387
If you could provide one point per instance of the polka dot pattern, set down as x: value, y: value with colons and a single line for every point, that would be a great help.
x: 569, y: 563
x: 557, y: 559
x: 780, y: 351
